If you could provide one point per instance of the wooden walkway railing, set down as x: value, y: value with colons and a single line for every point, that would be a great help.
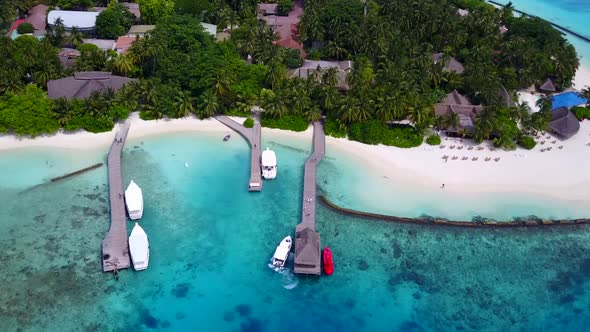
x: 253, y: 136
x: 307, y: 240
x: 115, y: 247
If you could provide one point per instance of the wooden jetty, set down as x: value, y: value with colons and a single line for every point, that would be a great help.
x: 115, y: 247
x: 253, y: 137
x: 307, y: 240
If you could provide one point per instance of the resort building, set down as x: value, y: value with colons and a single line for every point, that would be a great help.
x: 312, y: 67
x: 285, y: 26
x: 307, y: 249
x: 453, y: 66
x: 548, y: 86
x: 457, y: 103
x: 36, y: 17
x: 83, y: 21
x: 140, y: 30
x: 103, y: 44
x: 123, y: 43
x: 564, y: 123
x: 83, y: 84
x: 67, y: 57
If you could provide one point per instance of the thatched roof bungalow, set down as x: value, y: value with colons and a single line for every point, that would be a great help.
x: 453, y: 66
x: 83, y: 84
x: 564, y: 123
x: 454, y: 102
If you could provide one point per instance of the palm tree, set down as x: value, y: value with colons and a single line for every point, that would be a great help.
x: 123, y: 64
x: 184, y: 104
x: 222, y: 84
x: 313, y: 114
x: 76, y: 37
x: 330, y: 76
x: 586, y: 94
x: 210, y: 104
x: 276, y: 73
x: 62, y: 110
x: 452, y: 120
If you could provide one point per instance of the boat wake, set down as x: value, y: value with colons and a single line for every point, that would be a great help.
x: 288, y: 278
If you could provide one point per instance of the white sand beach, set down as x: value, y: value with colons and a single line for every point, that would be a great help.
x: 582, y: 78
x: 557, y: 172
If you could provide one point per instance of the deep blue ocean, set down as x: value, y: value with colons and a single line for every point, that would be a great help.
x: 211, y: 242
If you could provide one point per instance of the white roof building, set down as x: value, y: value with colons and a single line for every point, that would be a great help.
x: 83, y: 21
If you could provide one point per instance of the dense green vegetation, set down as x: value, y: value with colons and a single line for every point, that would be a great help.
x: 114, y: 21
x: 581, y: 112
x: 27, y: 113
x: 25, y: 28
x: 181, y: 69
x: 249, y: 122
x: 286, y: 122
x: 527, y: 142
x: 377, y: 132
x: 433, y: 140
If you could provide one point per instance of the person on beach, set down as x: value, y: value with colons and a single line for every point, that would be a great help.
x: 443, y: 186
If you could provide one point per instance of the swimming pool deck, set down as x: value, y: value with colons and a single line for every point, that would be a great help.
x: 115, y: 247
x: 307, y: 240
x: 253, y: 136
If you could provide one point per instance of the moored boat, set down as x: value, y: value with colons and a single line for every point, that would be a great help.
x: 139, y: 248
x: 282, y: 252
x: 269, y: 164
x: 328, y: 261
x: 134, y: 201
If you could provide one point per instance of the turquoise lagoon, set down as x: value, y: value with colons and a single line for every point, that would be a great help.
x: 211, y: 242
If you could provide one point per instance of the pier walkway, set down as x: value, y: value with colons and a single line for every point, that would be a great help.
x: 307, y: 240
x: 253, y: 136
x: 115, y: 247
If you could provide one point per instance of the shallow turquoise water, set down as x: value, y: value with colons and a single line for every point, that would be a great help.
x: 572, y: 14
x: 211, y: 242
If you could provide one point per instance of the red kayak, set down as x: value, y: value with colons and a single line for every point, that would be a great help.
x: 328, y: 262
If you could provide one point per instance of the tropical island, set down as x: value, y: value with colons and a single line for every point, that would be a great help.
x: 378, y: 71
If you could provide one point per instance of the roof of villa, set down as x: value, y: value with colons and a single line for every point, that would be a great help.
x: 548, y: 85
x: 564, y: 123
x: 83, y: 84
x: 123, y: 43
x: 310, y: 67
x: 37, y: 17
x: 268, y: 8
x: 457, y: 103
x: 453, y: 66
x: 140, y: 29
x: 308, y: 240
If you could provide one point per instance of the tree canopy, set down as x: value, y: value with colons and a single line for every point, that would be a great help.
x: 114, y: 21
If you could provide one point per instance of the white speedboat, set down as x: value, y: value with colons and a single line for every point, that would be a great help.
x: 134, y: 201
x: 139, y: 248
x: 269, y: 164
x: 282, y: 252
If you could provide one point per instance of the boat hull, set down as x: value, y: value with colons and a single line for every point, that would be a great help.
x: 282, y: 252
x: 328, y: 261
x: 139, y: 248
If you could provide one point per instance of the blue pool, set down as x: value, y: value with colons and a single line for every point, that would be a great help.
x: 568, y: 99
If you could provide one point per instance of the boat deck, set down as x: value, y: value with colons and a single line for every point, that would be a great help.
x: 115, y: 247
x: 253, y: 137
x: 307, y: 240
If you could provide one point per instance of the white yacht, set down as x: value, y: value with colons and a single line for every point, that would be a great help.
x: 134, y: 201
x: 282, y: 252
x: 269, y: 164
x: 139, y: 248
